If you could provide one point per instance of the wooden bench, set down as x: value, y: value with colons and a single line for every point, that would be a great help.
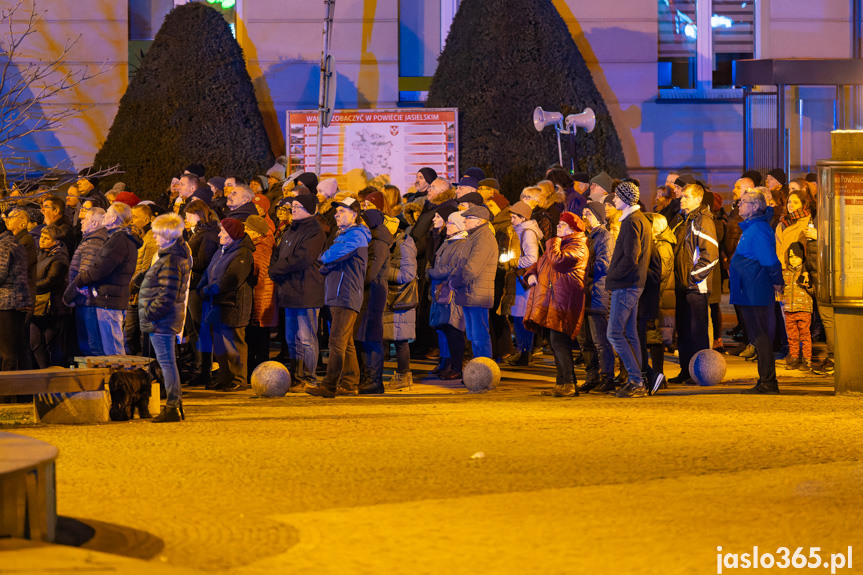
x: 53, y: 380
x: 28, y: 500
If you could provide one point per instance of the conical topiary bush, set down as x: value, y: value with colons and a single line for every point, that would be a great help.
x: 191, y: 101
x: 502, y: 59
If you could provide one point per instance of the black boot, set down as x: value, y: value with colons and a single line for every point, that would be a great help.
x: 608, y: 384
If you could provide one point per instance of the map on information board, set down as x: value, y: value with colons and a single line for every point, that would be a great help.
x: 396, y: 143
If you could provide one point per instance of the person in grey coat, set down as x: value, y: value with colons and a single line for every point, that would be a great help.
x: 446, y: 315
x: 400, y: 326
x: 530, y: 239
x: 474, y: 280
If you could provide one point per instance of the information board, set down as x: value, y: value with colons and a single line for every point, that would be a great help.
x: 396, y: 143
x: 848, y: 190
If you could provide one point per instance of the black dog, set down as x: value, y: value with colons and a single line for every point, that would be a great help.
x: 129, y: 390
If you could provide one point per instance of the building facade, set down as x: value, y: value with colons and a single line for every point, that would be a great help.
x: 666, y: 84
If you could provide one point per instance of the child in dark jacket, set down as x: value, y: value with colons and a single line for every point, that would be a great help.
x: 797, y: 302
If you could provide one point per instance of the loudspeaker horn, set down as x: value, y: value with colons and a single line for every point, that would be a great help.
x: 586, y: 120
x: 543, y: 119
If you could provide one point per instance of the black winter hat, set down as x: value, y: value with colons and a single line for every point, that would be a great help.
x: 373, y: 218
x: 310, y: 180
x: 471, y: 198
x: 779, y: 175
x: 308, y: 201
x: 428, y: 174
x: 753, y: 175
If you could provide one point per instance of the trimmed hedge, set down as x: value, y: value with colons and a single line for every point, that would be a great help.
x: 191, y: 101
x: 502, y: 59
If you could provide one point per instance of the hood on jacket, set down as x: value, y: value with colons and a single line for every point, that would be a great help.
x: 528, y: 225
x: 136, y: 239
x: 179, y: 249
x: 767, y: 216
x: 502, y: 220
x: 666, y: 235
x: 382, y: 233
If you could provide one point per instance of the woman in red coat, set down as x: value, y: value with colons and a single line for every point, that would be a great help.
x: 557, y: 298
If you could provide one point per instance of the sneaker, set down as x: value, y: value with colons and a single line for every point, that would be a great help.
x: 823, y: 368
x: 297, y: 387
x: 369, y: 389
x: 748, y: 352
x: 537, y: 352
x: 632, y: 390
x: 608, y: 387
x: 400, y: 381
x: 791, y: 362
x: 586, y: 387
x: 658, y: 380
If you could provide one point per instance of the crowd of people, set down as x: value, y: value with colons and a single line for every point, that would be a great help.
x: 212, y: 269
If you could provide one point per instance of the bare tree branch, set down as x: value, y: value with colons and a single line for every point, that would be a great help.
x: 27, y: 87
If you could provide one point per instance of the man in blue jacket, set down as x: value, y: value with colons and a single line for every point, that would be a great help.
x: 344, y: 265
x: 755, y: 276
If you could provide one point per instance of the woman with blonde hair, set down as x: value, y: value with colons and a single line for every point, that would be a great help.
x: 162, y: 306
x: 541, y: 199
x: 106, y: 283
x: 393, y: 201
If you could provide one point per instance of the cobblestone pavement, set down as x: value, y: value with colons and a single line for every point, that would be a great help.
x: 436, y: 480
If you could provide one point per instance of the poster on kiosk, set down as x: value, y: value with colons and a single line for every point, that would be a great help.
x: 392, y: 143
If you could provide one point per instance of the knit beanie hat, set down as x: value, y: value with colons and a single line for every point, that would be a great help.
x: 810, y: 177
x: 219, y: 182
x: 609, y: 199
x: 310, y: 180
x: 235, y: 228
x: 471, y: 198
x: 258, y: 224
x: 475, y: 173
x: 445, y: 210
x: 628, y: 193
x: 779, y: 175
x: 602, y: 180
x: 279, y: 168
x: 457, y: 219
x: 581, y: 178
x: 753, y: 175
x: 308, y: 201
x: 796, y: 249
x: 376, y: 199
x: 428, y: 174
x: 598, y: 211
x: 522, y: 209
x: 328, y: 187
x: 263, y: 201
x: 500, y: 201
x: 128, y: 198
x: 373, y: 218
x: 119, y: 187
x: 197, y: 169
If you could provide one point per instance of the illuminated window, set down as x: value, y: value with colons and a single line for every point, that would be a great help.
x: 690, y: 60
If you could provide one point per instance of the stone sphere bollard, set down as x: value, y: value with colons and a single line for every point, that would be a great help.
x: 707, y: 367
x: 271, y: 379
x: 481, y: 375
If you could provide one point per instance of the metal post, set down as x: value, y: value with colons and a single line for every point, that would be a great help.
x: 559, y: 149
x: 325, y: 80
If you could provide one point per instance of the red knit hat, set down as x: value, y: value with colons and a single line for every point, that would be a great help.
x: 376, y: 199
x: 128, y: 198
x: 263, y: 201
x: 573, y: 221
x: 235, y: 228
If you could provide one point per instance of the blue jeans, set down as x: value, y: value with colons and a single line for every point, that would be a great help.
x: 373, y: 356
x: 599, y: 332
x: 111, y: 330
x: 442, y: 345
x: 301, y: 333
x: 163, y: 345
x: 623, y: 330
x: 476, y: 326
x: 87, y: 326
x: 523, y: 336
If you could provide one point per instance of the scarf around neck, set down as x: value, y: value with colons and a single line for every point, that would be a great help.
x: 792, y: 217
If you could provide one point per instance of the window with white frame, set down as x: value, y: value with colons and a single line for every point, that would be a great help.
x: 689, y: 58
